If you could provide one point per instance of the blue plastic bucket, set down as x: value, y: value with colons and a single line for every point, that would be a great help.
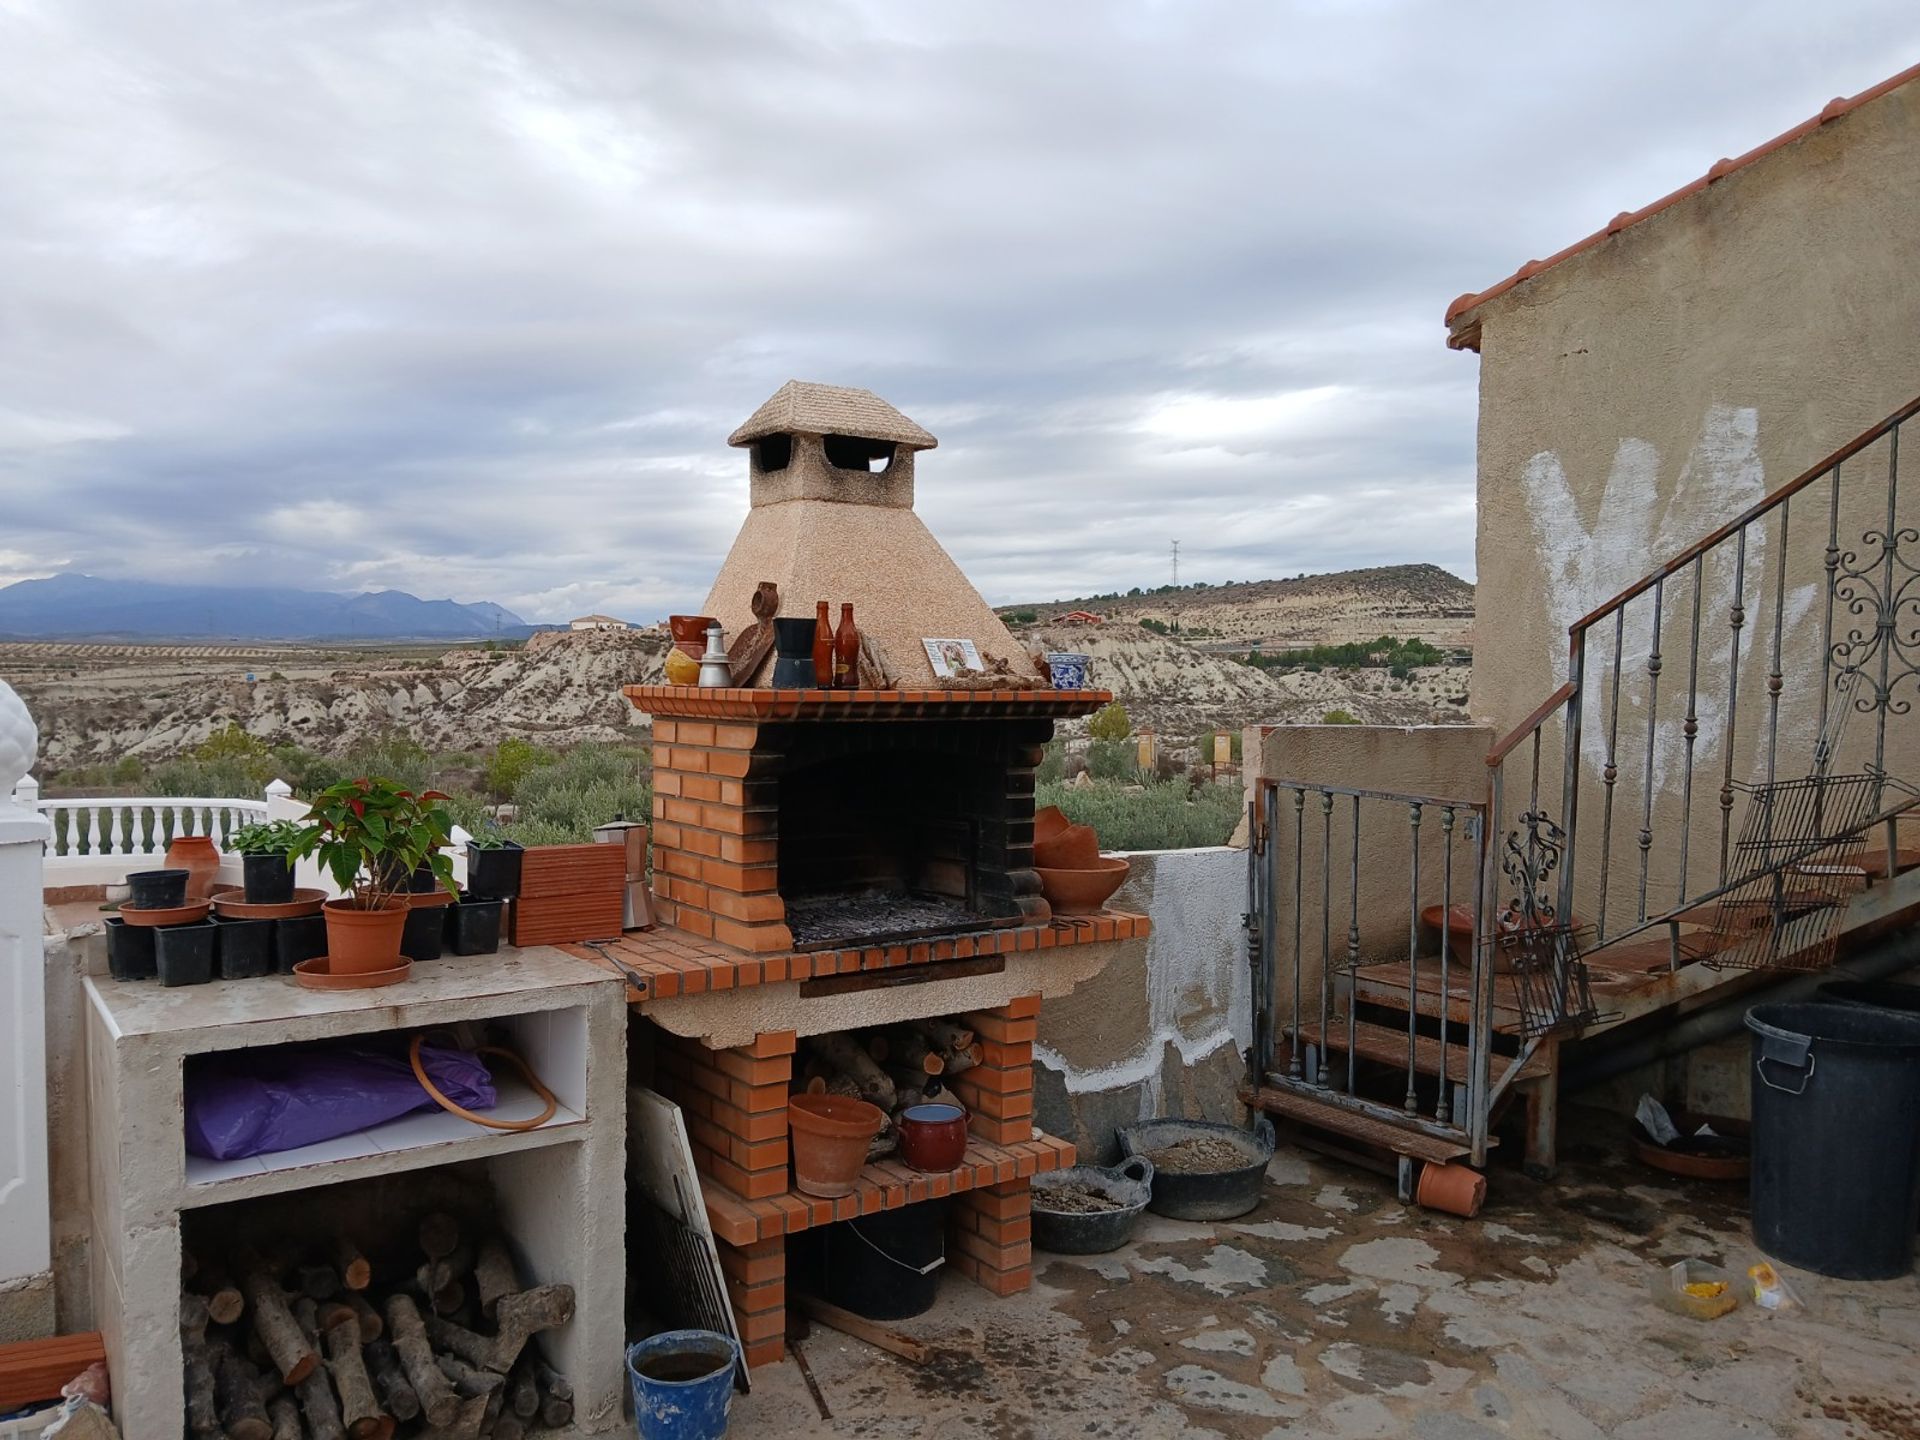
x: 682, y: 1401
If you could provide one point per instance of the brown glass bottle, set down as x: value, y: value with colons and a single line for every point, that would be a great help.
x: 822, y: 646
x: 846, y: 652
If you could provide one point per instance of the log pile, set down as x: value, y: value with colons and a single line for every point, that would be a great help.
x: 891, y: 1066
x: 315, y: 1342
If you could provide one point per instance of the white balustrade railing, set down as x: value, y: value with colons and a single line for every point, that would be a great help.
x: 141, y: 825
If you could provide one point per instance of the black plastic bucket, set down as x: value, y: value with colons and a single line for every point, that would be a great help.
x: 1836, y: 1137
x: 473, y: 926
x: 303, y: 937
x: 423, y: 934
x: 1885, y: 993
x: 267, y: 879
x: 129, y: 950
x: 243, y: 948
x: 885, y: 1266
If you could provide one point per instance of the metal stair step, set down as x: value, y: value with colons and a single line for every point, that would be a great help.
x: 1368, y: 1129
x: 1389, y: 1047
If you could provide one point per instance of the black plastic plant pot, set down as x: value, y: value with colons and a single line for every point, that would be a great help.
x: 494, y: 874
x: 473, y: 926
x: 243, y: 949
x: 424, y: 932
x: 156, y: 889
x: 183, y: 954
x: 129, y: 950
x: 421, y: 882
x: 268, y: 878
x: 302, y: 938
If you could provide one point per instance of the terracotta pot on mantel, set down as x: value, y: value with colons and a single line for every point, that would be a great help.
x: 196, y: 855
x: 690, y: 634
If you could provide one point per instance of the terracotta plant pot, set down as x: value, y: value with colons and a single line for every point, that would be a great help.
x: 690, y: 635
x: 1082, y: 891
x: 830, y: 1135
x: 1456, y: 1189
x: 933, y: 1136
x: 196, y: 855
x: 1074, y: 848
x: 360, y: 942
x: 1048, y: 822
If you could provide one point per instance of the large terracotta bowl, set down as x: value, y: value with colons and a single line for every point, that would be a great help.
x: 1074, y: 848
x: 1082, y: 891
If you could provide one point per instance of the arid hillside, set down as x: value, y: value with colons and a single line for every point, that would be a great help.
x: 1408, y: 602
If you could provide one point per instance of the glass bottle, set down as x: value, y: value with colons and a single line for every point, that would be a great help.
x: 822, y: 646
x: 846, y: 652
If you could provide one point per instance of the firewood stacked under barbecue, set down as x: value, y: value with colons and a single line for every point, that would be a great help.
x: 891, y: 1066
x: 312, y: 1342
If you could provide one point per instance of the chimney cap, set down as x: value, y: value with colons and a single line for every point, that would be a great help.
x: 802, y: 407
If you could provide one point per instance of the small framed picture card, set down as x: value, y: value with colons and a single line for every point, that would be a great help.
x: 950, y: 657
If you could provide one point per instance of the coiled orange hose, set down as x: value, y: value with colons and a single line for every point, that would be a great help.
x: 526, y: 1073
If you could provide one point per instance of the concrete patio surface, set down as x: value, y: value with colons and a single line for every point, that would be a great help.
x: 1333, y: 1310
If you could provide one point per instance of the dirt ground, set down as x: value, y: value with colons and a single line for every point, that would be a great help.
x: 1333, y: 1310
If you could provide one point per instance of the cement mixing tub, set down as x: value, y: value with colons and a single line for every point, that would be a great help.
x: 1074, y: 1232
x: 1209, y: 1194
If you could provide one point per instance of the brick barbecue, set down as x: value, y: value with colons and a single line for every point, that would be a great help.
x: 831, y: 859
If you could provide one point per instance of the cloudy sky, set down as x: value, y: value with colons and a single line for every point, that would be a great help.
x: 463, y: 298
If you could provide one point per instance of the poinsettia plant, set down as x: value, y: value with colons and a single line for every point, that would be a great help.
x: 371, y: 835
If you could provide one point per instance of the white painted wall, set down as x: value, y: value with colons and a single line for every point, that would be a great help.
x: 25, y: 1233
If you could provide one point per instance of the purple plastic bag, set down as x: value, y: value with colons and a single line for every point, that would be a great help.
x: 251, y: 1102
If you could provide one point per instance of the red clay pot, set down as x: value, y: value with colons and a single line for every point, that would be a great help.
x: 1048, y: 822
x: 1082, y: 891
x: 1456, y: 1189
x: 933, y: 1136
x: 689, y: 634
x: 1074, y: 848
x: 196, y: 855
x: 360, y: 942
x: 830, y: 1135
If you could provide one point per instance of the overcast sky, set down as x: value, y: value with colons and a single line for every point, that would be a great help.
x: 464, y: 298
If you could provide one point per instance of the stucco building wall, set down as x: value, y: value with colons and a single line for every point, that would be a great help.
x: 1637, y: 395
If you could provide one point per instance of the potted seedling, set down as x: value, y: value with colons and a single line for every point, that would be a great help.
x: 266, y: 859
x: 493, y: 866
x: 370, y: 835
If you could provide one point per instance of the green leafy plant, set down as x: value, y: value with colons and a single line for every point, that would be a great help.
x: 1340, y: 717
x: 1110, y: 722
x: 267, y: 837
x: 489, y: 840
x: 370, y: 835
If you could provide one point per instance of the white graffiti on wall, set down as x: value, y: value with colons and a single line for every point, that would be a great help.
x: 1638, y: 523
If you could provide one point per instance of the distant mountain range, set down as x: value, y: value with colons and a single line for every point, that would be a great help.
x: 88, y: 607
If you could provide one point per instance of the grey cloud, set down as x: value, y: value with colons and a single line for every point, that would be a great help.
x: 465, y: 297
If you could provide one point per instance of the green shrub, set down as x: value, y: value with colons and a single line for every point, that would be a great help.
x: 1053, y: 764
x: 560, y: 803
x: 1110, y: 722
x: 1340, y: 717
x: 510, y: 763
x: 1113, y: 759
x: 1165, y: 816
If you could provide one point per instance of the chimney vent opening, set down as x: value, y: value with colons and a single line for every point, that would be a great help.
x: 772, y: 453
x: 854, y: 452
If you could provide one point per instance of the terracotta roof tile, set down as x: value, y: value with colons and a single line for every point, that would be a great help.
x: 1467, y: 337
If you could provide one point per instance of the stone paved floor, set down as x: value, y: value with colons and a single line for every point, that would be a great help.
x: 1334, y: 1310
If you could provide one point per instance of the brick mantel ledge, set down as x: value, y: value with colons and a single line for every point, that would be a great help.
x: 691, y: 702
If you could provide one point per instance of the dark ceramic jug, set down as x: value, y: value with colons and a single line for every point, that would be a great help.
x: 793, y: 654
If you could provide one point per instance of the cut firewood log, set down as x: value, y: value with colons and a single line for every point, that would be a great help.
x: 944, y: 1034
x: 372, y: 1327
x: 437, y: 1400
x: 913, y: 1051
x: 494, y: 1275
x: 961, y: 1060
x: 523, y: 1395
x: 468, y: 1416
x: 193, y: 1319
x: 225, y: 1303
x: 552, y: 1383
x: 519, y: 1317
x: 875, y: 1043
x: 508, y: 1426
x: 359, y: 1410
x: 885, y: 1142
x: 850, y: 1060
x: 284, y: 1412
x: 242, y: 1398
x: 355, y: 1271
x: 273, y: 1322
x: 318, y: 1405
x: 203, y: 1414
x: 396, y: 1395
x: 467, y: 1380
x: 439, y: 1233
x: 906, y: 1097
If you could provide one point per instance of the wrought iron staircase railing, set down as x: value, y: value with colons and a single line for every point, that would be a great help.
x: 1664, y: 726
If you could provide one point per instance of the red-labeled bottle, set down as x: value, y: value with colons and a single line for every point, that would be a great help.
x: 846, y: 652
x: 822, y: 646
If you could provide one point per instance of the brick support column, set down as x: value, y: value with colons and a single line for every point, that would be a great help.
x: 998, y: 1092
x: 757, y: 1287
x: 992, y: 1239
x: 715, y: 812
x: 735, y: 1105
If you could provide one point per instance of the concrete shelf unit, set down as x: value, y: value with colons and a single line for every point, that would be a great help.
x: 566, y: 1018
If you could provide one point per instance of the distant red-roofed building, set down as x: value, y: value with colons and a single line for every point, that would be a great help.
x: 1082, y: 617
